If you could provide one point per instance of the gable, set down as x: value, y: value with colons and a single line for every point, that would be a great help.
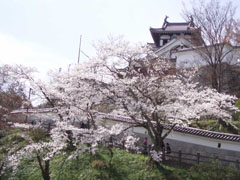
x: 174, y: 44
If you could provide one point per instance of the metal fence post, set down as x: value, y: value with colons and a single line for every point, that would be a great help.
x: 198, y: 158
x: 180, y: 158
x: 49, y: 128
x: 237, y: 164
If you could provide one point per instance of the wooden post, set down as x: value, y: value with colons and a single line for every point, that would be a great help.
x: 49, y: 128
x: 180, y: 158
x: 237, y: 164
x: 198, y: 158
x: 163, y: 155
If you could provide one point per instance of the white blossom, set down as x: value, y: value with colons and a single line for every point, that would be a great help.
x: 130, y: 143
x: 156, y: 155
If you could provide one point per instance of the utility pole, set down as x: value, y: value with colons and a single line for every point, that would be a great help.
x: 69, y: 67
x: 28, y: 104
x: 79, y: 50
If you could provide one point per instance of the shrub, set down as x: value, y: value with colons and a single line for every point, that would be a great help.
x: 238, y: 105
x: 214, y: 171
x: 98, y: 164
x: 37, y: 134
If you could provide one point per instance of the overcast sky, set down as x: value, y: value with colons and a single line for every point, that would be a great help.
x: 45, y: 33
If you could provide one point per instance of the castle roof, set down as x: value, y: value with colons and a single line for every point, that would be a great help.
x: 172, y: 28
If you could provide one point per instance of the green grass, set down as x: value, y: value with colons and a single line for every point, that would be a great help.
x: 17, y: 139
x: 13, y: 138
x: 214, y: 170
x: 238, y: 105
x: 124, y: 166
x: 237, y: 123
x: 213, y: 125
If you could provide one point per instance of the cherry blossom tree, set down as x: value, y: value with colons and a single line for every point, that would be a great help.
x: 141, y: 85
x: 151, y: 91
x: 76, y: 92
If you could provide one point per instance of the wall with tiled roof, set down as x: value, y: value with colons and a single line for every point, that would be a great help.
x: 186, y: 130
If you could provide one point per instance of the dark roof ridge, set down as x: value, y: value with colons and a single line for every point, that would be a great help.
x: 177, y: 23
x: 187, y: 130
x: 33, y: 110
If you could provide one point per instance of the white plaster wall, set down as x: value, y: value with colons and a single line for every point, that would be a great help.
x: 165, y: 50
x: 204, y: 141
x: 210, y: 142
x: 165, y: 37
x: 187, y: 59
x: 190, y: 58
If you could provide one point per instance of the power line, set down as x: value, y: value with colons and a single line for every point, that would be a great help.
x: 85, y: 54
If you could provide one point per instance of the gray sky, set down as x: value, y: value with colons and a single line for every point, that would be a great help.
x: 45, y: 33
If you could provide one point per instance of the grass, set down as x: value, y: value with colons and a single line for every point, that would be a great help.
x: 13, y: 138
x: 213, y: 125
x: 100, y: 166
x: 16, y: 139
x: 124, y: 166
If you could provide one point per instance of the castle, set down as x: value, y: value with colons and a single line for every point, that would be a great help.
x: 182, y: 42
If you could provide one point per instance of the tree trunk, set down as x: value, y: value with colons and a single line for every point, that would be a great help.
x: 158, y: 143
x: 45, y: 171
x: 214, y: 78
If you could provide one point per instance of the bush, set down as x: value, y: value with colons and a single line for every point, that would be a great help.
x: 214, y: 171
x: 98, y: 164
x: 238, y: 105
x: 37, y: 134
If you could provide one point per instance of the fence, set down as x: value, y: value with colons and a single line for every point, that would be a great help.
x: 186, y: 160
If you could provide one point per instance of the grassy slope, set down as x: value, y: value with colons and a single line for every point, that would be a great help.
x: 123, y: 166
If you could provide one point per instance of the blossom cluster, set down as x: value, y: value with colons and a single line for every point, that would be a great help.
x: 156, y: 155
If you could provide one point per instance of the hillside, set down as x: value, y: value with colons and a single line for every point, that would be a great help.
x: 100, y: 166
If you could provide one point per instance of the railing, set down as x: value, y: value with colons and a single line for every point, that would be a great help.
x: 185, y: 160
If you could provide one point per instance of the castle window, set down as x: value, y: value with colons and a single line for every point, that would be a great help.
x: 165, y: 37
x: 161, y: 42
x: 165, y: 41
